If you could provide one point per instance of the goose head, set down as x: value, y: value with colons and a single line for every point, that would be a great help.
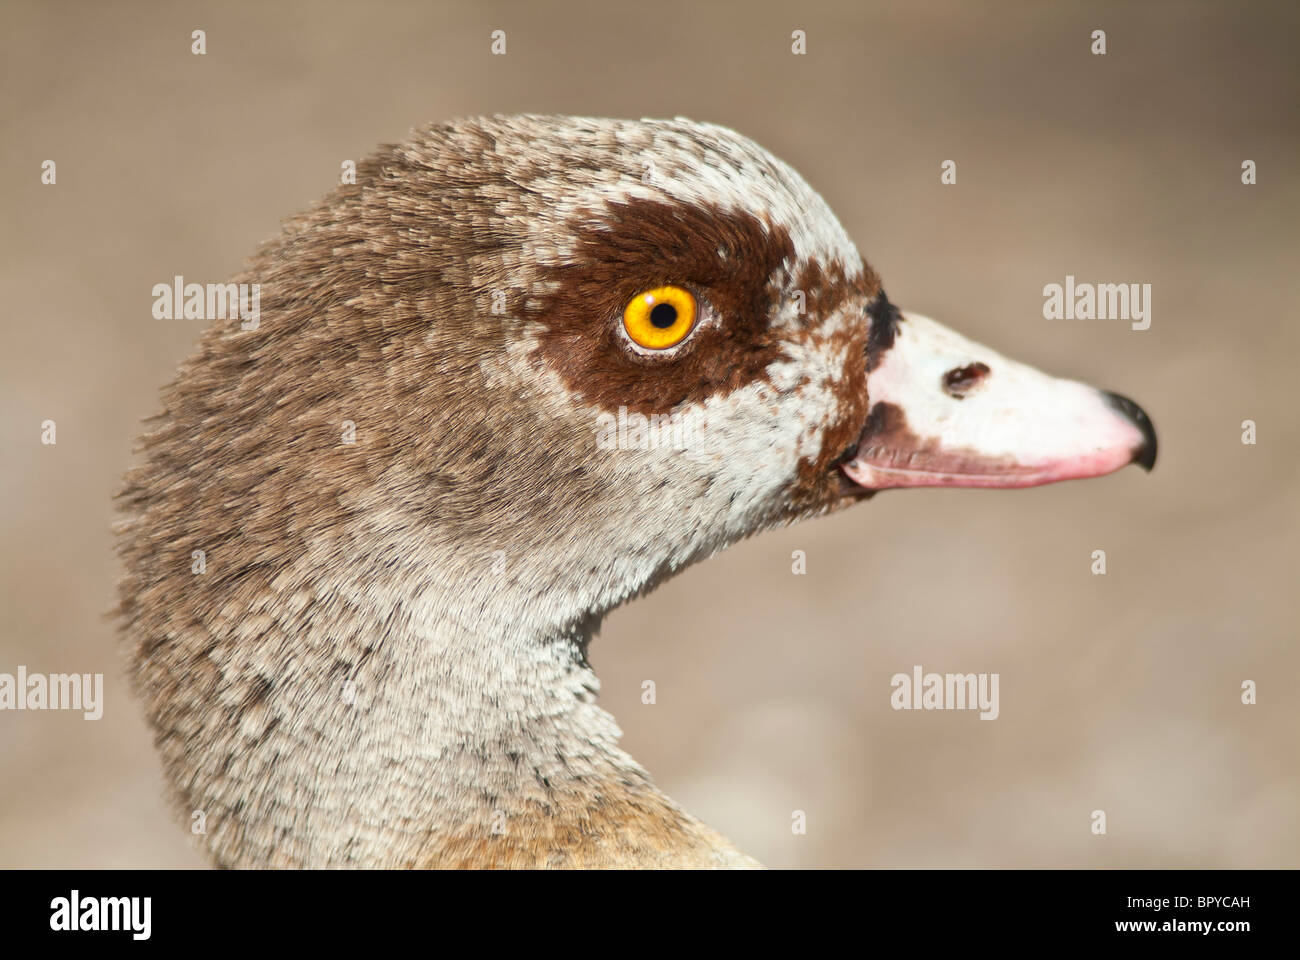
x: 522, y: 370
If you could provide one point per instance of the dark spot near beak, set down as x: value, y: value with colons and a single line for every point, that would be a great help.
x: 962, y: 380
x: 884, y: 327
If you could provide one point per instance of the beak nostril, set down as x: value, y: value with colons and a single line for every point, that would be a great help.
x: 960, y: 381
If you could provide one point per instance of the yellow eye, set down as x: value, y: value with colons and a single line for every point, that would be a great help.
x: 660, y: 318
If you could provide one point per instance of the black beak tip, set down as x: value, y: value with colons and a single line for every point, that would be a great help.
x: 1145, y: 455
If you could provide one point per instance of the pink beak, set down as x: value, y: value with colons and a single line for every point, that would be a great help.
x: 946, y: 412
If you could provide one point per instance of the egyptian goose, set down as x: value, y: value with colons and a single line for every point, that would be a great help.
x: 381, y: 661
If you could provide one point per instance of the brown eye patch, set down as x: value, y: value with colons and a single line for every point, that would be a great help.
x: 731, y: 260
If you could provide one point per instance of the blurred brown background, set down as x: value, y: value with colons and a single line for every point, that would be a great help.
x: 1118, y: 693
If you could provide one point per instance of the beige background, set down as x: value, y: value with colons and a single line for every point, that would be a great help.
x: 1118, y: 692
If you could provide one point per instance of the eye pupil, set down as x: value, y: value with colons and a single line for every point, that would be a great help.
x: 663, y: 316
x: 660, y: 318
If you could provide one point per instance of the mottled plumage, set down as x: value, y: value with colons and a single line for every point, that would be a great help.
x: 384, y: 663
